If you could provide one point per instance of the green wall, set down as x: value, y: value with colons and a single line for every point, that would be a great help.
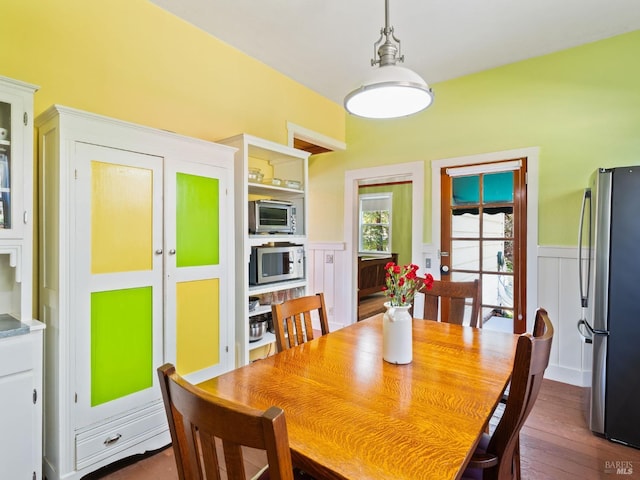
x: 580, y: 106
x: 400, y: 218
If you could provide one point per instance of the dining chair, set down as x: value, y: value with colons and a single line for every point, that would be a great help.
x: 451, y: 297
x: 539, y: 329
x: 497, y: 455
x: 196, y: 418
x: 292, y: 320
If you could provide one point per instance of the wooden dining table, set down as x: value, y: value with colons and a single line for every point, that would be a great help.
x: 352, y: 415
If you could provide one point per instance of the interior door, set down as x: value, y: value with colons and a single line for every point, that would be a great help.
x: 118, y: 267
x: 484, y: 237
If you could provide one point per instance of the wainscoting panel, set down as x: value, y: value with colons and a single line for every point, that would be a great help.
x: 325, y: 262
x: 558, y: 292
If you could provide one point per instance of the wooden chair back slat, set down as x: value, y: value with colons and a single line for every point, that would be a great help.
x: 292, y: 320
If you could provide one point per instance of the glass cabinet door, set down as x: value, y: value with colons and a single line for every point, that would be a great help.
x: 16, y: 136
x: 5, y: 165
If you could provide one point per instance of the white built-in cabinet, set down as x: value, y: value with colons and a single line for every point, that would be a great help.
x: 275, y: 161
x: 20, y: 335
x: 136, y: 269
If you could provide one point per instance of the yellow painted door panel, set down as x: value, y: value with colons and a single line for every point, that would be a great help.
x: 198, y: 325
x: 121, y: 201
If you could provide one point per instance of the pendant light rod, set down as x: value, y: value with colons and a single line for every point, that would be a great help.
x: 388, y: 52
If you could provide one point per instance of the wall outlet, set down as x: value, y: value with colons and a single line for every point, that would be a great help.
x: 328, y: 258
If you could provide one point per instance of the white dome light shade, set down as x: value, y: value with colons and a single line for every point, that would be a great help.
x: 391, y: 92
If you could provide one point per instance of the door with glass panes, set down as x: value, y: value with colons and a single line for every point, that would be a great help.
x: 484, y: 237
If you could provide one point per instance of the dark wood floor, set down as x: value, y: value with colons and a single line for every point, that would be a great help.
x: 555, y: 445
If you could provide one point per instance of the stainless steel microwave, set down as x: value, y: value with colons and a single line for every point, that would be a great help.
x: 272, y: 216
x: 276, y: 264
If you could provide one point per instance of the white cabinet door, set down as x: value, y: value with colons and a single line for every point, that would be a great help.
x: 20, y: 406
x: 16, y: 408
x: 199, y: 279
x: 12, y: 127
x: 117, y: 263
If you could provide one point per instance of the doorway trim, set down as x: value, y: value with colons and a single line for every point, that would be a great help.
x: 532, y: 154
x: 413, y: 171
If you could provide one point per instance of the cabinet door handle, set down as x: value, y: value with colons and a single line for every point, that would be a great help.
x: 112, y: 439
x: 159, y: 251
x: 172, y: 251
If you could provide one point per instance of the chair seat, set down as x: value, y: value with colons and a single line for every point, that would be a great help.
x: 476, y: 473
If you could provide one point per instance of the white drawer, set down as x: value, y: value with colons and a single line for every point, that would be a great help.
x: 103, y: 441
x: 16, y: 354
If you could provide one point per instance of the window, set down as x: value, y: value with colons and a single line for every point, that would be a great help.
x: 375, y: 222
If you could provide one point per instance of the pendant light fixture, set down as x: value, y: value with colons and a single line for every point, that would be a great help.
x: 391, y: 91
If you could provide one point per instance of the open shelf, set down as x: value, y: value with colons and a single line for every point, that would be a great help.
x: 259, y: 310
x: 265, y: 340
x: 274, y: 287
x: 257, y: 240
x: 274, y: 161
x: 272, y: 190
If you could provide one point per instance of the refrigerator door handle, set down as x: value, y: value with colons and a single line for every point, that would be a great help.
x: 584, y: 289
x: 585, y: 331
x: 590, y: 331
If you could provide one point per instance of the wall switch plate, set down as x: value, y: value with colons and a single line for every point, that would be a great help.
x: 427, y: 262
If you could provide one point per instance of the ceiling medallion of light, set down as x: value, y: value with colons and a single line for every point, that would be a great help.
x: 391, y: 91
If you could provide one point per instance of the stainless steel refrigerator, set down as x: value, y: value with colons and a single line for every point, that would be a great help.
x: 609, y: 265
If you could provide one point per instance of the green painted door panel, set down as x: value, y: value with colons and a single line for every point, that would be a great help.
x: 121, y: 343
x: 197, y: 221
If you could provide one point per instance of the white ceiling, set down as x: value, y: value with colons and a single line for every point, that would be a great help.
x: 327, y: 44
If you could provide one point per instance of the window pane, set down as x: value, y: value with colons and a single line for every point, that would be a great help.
x: 497, y: 224
x: 375, y: 238
x: 379, y: 216
x: 501, y: 319
x: 497, y: 290
x: 465, y: 190
x: 463, y: 277
x: 497, y: 256
x: 465, y: 255
x: 498, y: 187
x: 466, y: 225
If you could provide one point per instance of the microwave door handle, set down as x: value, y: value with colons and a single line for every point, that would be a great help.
x: 584, y: 289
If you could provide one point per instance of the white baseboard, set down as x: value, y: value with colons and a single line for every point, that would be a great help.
x: 578, y: 378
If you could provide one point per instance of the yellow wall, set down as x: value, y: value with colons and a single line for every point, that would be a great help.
x: 131, y: 60
x: 580, y: 106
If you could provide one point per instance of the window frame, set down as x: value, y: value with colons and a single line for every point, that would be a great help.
x: 385, y: 196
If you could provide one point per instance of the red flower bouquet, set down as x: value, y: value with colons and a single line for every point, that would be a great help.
x: 402, y: 283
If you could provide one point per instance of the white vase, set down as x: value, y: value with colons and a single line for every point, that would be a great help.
x: 397, y: 335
